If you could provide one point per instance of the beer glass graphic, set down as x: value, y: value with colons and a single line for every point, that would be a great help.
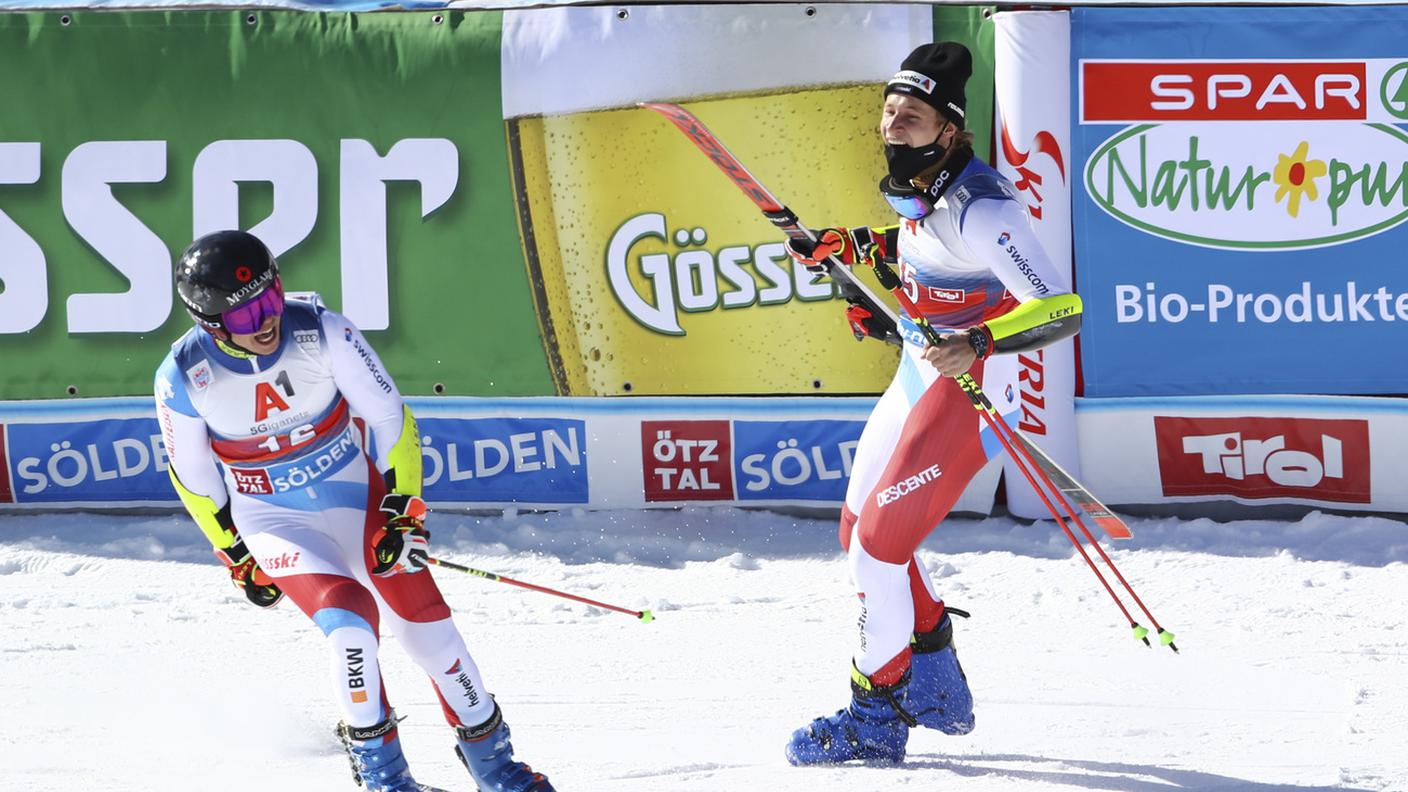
x: 651, y: 275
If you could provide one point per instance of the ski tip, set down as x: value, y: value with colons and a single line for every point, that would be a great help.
x: 1114, y: 527
x: 646, y: 617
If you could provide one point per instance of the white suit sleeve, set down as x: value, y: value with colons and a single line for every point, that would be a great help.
x: 999, y: 234
x: 363, y: 380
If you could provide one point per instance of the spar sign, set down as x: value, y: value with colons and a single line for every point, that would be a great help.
x: 1290, y: 185
x: 1242, y: 206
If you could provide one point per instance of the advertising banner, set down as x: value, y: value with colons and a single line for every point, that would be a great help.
x: 569, y: 244
x: 98, y: 452
x: 366, y: 151
x: 608, y: 453
x: 1242, y: 188
x: 1264, y: 457
x: 653, y: 274
x: 1033, y: 123
x: 1343, y: 453
x: 504, y: 460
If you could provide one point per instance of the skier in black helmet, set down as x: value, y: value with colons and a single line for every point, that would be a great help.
x: 255, y: 407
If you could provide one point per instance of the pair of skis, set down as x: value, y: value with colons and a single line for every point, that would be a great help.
x: 1048, y: 479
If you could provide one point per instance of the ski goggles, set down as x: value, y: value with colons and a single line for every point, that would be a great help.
x: 248, y: 317
x: 907, y: 201
x: 915, y: 206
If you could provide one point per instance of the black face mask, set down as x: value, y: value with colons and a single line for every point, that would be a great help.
x: 909, y: 162
x: 906, y: 162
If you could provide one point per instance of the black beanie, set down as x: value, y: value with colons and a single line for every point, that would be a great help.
x: 935, y: 74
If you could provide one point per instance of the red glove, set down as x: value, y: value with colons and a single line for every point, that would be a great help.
x: 245, y: 573
x: 850, y: 246
x: 403, y: 545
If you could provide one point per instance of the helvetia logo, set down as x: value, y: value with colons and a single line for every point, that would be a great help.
x: 1251, y: 186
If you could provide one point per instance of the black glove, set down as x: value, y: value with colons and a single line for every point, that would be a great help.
x: 403, y: 544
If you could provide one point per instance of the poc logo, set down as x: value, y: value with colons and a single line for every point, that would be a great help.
x: 1265, y: 457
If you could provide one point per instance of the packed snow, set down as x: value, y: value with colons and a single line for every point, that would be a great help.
x: 129, y: 663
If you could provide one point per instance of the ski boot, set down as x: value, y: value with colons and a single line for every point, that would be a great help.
x: 487, y: 754
x: 376, y: 758
x: 938, y: 693
x: 874, y: 728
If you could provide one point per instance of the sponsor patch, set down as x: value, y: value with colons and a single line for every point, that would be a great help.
x: 906, y: 486
x: 915, y: 80
x: 199, y: 375
x: 956, y: 296
x: 252, y: 482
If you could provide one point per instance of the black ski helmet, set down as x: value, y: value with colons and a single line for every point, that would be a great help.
x: 221, y: 270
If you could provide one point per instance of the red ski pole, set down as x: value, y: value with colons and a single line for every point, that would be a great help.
x: 644, y: 615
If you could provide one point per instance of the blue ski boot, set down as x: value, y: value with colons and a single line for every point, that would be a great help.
x: 487, y: 754
x: 938, y: 692
x: 375, y: 754
x: 874, y: 728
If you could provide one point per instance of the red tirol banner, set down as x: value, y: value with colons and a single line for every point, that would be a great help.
x: 1255, y: 458
x: 1032, y: 124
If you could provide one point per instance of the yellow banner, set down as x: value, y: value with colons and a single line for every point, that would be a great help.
x: 654, y: 275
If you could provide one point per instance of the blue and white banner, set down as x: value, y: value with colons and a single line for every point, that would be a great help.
x: 112, y: 460
x: 794, y: 460
x: 504, y: 460
x: 1241, y: 192
x: 550, y: 452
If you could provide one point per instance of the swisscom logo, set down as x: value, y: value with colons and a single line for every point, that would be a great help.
x: 1206, y: 155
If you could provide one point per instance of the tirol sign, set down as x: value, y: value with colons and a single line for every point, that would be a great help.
x: 1282, y: 186
x: 1256, y: 458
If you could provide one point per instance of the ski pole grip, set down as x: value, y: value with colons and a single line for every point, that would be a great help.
x: 782, y: 218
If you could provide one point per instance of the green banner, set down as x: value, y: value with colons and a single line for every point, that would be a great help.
x: 973, y: 28
x: 367, y: 150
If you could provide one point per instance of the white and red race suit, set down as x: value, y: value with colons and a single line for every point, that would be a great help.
x: 973, y: 259
x: 274, y: 437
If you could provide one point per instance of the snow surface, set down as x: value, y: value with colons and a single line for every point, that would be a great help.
x: 127, y: 661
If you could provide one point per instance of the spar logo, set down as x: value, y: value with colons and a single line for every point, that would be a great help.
x: 656, y: 274
x: 1309, y: 458
x: 1199, y: 164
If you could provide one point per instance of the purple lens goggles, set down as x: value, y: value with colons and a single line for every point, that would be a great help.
x: 910, y: 207
x: 248, y: 317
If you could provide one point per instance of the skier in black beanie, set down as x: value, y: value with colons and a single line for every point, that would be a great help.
x: 973, y: 269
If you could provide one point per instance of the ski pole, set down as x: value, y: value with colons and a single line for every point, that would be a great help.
x: 1032, y: 461
x: 999, y: 426
x: 644, y: 615
x: 1025, y: 460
